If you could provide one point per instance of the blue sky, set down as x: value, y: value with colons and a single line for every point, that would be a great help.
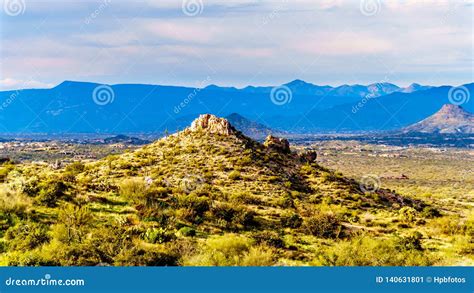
x: 235, y: 43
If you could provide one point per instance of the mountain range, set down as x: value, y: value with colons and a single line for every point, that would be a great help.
x: 76, y: 107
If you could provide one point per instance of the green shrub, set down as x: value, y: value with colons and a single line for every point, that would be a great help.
x: 367, y: 251
x: 12, y: 202
x: 187, y: 232
x: 27, y: 236
x: 137, y: 256
x: 410, y: 242
x: 269, y: 238
x: 51, y: 191
x: 192, y: 207
x: 430, y: 213
x: 234, y: 175
x: 291, y: 220
x: 73, y: 224
x: 75, y: 168
x: 407, y: 215
x: 323, y: 225
x: 235, y: 216
x: 30, y: 187
x: 5, y: 169
x: 133, y: 189
x: 158, y: 235
x: 29, y: 258
x: 231, y: 250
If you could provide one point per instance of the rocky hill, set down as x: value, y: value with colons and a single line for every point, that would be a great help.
x: 207, y: 195
x: 449, y: 119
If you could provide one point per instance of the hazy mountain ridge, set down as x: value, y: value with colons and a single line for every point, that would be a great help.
x: 248, y: 127
x: 70, y: 107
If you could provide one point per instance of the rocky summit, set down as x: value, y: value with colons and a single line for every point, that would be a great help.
x: 212, y: 124
x: 449, y: 119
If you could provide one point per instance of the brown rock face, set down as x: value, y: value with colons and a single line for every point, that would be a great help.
x: 278, y: 144
x: 308, y: 156
x: 212, y: 124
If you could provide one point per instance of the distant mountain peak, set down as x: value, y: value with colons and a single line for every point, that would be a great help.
x: 415, y: 87
x: 449, y: 119
x: 248, y: 127
x: 299, y: 83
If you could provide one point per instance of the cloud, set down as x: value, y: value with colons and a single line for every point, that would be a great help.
x: 11, y: 84
x: 263, y: 42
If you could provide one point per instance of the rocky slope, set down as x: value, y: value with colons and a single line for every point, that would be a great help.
x: 211, y: 159
x: 207, y: 195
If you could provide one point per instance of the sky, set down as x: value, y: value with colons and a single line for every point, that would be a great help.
x: 235, y: 43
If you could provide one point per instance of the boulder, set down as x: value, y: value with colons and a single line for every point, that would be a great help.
x: 308, y: 156
x: 212, y: 124
x: 278, y: 144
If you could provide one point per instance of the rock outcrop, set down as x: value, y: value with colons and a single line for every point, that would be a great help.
x: 212, y: 124
x: 278, y: 144
x: 308, y: 156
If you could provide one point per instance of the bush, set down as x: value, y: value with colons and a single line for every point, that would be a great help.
x: 30, y: 258
x: 410, y: 242
x: 187, y: 232
x: 323, y: 225
x: 430, y: 213
x: 192, y: 207
x: 5, y: 169
x: 157, y: 235
x: 234, y: 175
x: 407, y: 215
x: 366, y: 251
x: 27, y: 236
x: 133, y: 189
x: 449, y: 225
x: 13, y: 203
x: 75, y: 168
x: 73, y: 224
x: 30, y: 187
x: 269, y: 238
x: 51, y: 191
x: 231, y: 250
x: 234, y: 216
x: 291, y: 220
x: 138, y: 256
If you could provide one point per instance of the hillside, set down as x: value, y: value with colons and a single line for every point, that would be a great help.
x: 207, y: 195
x: 449, y: 119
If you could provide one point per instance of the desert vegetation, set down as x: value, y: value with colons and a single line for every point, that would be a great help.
x: 207, y: 199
